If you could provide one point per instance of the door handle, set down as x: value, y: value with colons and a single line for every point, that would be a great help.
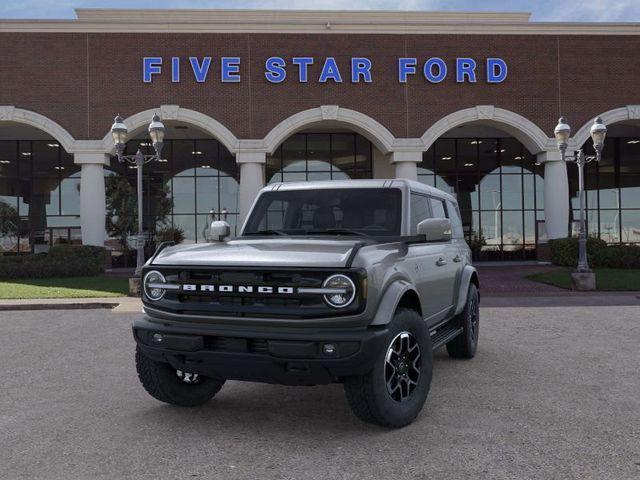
x: 441, y: 262
x: 457, y: 259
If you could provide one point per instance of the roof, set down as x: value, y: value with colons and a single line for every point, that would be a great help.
x: 310, y: 21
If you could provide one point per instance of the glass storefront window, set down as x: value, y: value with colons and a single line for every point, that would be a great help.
x: 188, y: 189
x: 630, y: 224
x: 499, y: 189
x: 320, y: 156
x: 612, y: 189
x: 39, y: 196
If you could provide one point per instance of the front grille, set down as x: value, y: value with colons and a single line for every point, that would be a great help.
x: 252, y: 304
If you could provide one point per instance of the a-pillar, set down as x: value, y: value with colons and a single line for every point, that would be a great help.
x: 92, y: 196
x: 556, y: 194
x: 251, y: 180
x: 406, y: 164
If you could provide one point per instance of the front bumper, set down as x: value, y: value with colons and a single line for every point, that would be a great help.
x: 279, y: 355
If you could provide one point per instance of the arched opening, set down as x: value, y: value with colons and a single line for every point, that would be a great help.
x: 612, y: 186
x: 498, y: 184
x: 39, y: 190
x: 196, y: 182
x: 328, y: 143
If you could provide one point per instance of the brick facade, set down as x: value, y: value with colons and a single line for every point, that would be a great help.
x: 80, y: 80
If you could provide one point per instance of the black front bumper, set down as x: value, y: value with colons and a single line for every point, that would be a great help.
x: 269, y: 354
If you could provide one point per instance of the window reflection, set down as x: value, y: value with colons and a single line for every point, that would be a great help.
x: 39, y: 196
x: 612, y: 188
x: 499, y: 189
x: 320, y: 156
x: 199, y: 179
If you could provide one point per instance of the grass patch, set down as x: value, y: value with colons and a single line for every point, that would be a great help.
x: 607, y: 279
x: 72, y: 287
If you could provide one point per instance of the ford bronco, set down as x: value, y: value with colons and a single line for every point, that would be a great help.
x: 354, y: 281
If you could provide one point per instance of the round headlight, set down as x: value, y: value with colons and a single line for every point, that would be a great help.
x: 345, y: 291
x: 151, y: 290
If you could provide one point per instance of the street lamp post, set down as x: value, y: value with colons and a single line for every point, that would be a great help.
x: 562, y: 133
x: 156, y: 133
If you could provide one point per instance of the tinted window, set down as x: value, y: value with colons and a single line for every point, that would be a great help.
x: 372, y: 211
x: 437, y: 206
x: 419, y: 210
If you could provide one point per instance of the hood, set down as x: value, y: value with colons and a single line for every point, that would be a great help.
x: 276, y: 252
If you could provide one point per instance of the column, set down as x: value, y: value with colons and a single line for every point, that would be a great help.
x: 251, y: 180
x: 92, y: 197
x: 406, y: 164
x: 556, y: 194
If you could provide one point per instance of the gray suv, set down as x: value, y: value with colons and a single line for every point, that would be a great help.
x: 355, y: 281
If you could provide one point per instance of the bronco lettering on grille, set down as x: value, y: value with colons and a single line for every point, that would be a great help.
x: 264, y: 289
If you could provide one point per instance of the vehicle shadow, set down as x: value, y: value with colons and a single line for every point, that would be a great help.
x: 257, y: 409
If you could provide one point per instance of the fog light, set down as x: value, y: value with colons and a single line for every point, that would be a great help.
x: 329, y: 348
x: 157, y: 338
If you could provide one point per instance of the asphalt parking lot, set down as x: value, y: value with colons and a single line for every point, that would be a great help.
x: 554, y: 392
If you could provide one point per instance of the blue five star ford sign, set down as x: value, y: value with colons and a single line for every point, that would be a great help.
x: 305, y: 69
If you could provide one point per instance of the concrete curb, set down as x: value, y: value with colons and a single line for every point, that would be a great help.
x: 9, y: 307
x: 116, y: 304
x: 570, y: 300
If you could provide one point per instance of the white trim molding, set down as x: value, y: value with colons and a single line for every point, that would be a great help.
x: 523, y: 129
x: 373, y: 130
x: 629, y: 112
x: 310, y: 21
x: 10, y: 113
x: 179, y: 114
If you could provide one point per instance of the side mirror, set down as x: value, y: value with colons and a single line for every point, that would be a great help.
x: 219, y: 231
x: 435, y: 229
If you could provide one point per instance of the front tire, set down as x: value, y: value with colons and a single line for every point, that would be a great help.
x: 393, y: 393
x: 465, y: 345
x: 169, y: 385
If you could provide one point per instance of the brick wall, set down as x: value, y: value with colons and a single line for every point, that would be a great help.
x: 82, y: 80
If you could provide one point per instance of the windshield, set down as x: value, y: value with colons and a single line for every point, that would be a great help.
x: 346, y: 211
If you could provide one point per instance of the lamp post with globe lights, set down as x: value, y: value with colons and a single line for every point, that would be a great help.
x: 583, y: 278
x: 119, y: 133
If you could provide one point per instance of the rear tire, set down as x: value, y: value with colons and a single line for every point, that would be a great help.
x: 393, y: 393
x: 168, y: 385
x: 465, y: 345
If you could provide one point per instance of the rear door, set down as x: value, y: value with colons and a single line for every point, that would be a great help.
x: 429, y: 264
x: 446, y: 260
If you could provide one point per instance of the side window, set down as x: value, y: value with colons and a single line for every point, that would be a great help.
x: 438, y: 208
x: 419, y: 210
x: 456, y: 221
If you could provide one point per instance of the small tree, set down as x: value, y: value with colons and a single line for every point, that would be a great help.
x: 9, y: 221
x: 122, y: 208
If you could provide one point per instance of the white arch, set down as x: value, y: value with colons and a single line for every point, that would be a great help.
x: 527, y: 132
x: 177, y: 113
x: 382, y: 138
x: 9, y: 113
x: 630, y: 112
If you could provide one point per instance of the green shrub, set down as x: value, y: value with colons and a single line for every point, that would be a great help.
x: 564, y: 251
x: 61, y: 261
x: 618, y: 256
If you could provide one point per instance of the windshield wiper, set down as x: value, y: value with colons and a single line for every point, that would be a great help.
x: 337, y: 231
x: 267, y: 232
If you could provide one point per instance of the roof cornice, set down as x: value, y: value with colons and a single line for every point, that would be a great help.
x: 314, y: 22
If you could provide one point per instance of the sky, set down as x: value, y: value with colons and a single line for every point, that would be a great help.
x: 542, y: 10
